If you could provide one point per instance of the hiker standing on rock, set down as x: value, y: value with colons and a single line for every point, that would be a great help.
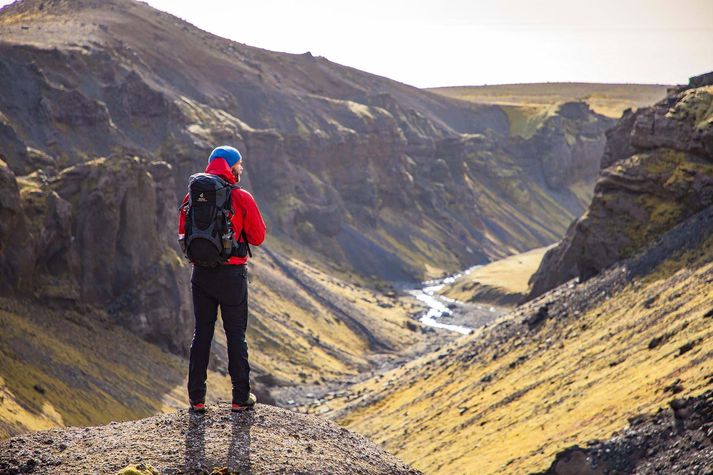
x: 218, y: 222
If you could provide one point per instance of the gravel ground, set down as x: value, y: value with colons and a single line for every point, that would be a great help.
x: 262, y: 441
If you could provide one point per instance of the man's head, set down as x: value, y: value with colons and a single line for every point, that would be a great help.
x: 232, y: 158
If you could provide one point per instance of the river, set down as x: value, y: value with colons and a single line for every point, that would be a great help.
x: 462, y: 317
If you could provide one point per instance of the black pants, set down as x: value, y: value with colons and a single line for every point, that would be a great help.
x: 227, y: 286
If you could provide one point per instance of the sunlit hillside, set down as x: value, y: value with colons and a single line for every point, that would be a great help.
x: 62, y: 368
x: 503, y: 282
x: 310, y: 326
x: 563, y: 370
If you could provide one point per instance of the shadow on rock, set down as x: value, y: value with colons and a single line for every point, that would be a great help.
x: 194, y: 458
x: 239, y: 451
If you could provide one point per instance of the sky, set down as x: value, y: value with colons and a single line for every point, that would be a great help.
x: 428, y: 43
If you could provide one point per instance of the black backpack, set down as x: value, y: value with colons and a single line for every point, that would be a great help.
x: 209, y: 239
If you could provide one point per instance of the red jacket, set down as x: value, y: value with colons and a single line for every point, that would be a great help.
x: 246, y: 216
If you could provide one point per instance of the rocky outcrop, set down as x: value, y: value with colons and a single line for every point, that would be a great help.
x: 678, y: 439
x: 569, y: 145
x: 657, y: 170
x: 264, y: 440
x: 95, y: 235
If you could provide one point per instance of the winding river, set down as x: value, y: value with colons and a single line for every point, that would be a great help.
x: 440, y: 307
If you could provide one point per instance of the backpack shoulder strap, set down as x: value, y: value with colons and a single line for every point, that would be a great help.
x: 242, y: 231
x: 229, y: 204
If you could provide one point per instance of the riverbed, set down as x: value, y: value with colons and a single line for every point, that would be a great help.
x: 443, y: 319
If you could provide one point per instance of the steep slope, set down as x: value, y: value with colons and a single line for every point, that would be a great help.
x: 656, y: 171
x: 59, y: 367
x: 343, y: 160
x: 266, y: 440
x: 567, y: 368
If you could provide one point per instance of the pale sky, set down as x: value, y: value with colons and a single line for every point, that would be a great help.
x: 459, y: 42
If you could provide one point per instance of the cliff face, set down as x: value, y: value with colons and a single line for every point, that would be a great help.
x: 569, y: 145
x: 340, y: 160
x: 95, y: 234
x: 657, y: 170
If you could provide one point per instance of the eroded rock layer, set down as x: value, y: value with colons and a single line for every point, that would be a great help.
x: 657, y: 170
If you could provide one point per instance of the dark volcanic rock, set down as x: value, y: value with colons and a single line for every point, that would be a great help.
x: 676, y: 441
x: 701, y: 80
x: 95, y: 234
x: 657, y: 171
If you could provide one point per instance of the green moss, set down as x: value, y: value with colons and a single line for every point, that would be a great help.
x: 525, y: 120
x: 660, y: 162
x: 663, y: 213
x: 301, y: 129
x: 571, y: 139
x: 679, y: 260
x: 140, y: 469
x: 171, y: 258
x: 673, y: 173
x: 696, y: 104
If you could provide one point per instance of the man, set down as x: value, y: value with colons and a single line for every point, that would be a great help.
x: 225, y: 285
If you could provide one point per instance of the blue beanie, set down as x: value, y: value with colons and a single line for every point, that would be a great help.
x: 227, y: 153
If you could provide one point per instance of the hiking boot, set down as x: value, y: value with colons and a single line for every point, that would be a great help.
x: 242, y: 406
x: 198, y: 407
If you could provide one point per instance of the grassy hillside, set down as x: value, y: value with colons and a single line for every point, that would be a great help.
x: 62, y: 368
x: 572, y: 366
x: 503, y: 282
x: 528, y: 105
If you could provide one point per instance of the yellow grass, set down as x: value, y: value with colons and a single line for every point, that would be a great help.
x: 507, y: 276
x: 294, y: 335
x: 573, y: 380
x: 91, y: 372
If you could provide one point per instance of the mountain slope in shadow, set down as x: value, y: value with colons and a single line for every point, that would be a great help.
x: 341, y: 160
